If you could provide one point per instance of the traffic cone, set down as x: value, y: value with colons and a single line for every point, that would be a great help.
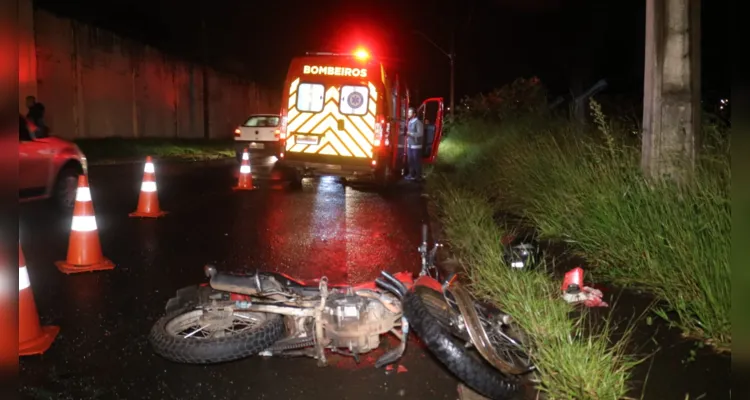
x: 148, y: 201
x: 246, y: 176
x: 84, y: 249
x: 32, y: 337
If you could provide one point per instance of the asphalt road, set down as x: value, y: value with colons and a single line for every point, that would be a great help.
x: 345, y: 233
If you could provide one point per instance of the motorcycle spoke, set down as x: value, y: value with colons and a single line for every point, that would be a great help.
x: 200, y: 329
x: 508, y: 348
x: 207, y: 324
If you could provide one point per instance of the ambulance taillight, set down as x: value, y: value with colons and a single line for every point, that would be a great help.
x: 379, y: 128
x: 281, y: 132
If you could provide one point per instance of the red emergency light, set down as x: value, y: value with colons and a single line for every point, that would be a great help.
x: 362, y: 54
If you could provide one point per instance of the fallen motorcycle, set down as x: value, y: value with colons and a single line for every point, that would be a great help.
x: 271, y: 314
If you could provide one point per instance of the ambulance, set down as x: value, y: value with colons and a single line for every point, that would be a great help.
x: 345, y: 115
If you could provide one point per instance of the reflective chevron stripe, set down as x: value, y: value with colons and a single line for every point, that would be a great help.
x: 355, y: 140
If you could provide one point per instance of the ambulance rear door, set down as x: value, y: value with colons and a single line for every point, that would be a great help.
x: 431, y: 115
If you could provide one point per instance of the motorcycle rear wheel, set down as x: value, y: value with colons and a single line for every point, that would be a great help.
x: 205, y: 343
x: 466, y: 365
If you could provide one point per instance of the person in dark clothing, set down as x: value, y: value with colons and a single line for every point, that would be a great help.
x: 414, y: 135
x: 23, y: 129
x: 36, y: 116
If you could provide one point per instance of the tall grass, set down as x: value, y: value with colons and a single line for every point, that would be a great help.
x: 573, y: 363
x: 584, y: 186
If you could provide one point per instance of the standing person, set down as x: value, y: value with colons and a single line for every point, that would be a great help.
x: 414, y: 135
x: 36, y: 115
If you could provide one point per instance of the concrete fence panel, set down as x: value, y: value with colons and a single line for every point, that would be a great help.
x: 95, y: 84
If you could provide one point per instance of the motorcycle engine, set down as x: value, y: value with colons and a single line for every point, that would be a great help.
x: 356, y: 323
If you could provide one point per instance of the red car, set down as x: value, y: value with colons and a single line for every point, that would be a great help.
x: 48, y: 166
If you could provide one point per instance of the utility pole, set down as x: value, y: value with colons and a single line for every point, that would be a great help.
x: 671, y: 89
x: 452, y: 57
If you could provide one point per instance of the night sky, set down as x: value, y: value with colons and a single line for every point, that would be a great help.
x: 564, y: 43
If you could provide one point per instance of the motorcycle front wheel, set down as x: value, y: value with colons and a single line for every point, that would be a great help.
x: 422, y: 311
x: 195, y: 333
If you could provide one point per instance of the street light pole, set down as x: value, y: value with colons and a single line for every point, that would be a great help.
x: 452, y: 57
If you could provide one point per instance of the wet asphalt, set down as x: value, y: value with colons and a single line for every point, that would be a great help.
x: 345, y: 233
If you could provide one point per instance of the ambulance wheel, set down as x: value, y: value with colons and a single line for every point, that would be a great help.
x: 384, y: 178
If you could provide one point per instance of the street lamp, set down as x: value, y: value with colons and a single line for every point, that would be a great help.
x: 452, y: 57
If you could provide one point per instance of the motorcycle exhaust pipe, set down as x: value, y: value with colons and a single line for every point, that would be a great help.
x: 387, y: 286
x: 395, y: 282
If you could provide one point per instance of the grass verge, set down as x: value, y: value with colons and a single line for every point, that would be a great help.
x: 584, y: 186
x: 111, y: 149
x: 574, y: 359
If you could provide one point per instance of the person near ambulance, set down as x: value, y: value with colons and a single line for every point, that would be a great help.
x: 35, y: 117
x: 414, y: 135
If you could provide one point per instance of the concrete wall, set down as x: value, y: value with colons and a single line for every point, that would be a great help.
x: 96, y: 84
x: 27, y: 85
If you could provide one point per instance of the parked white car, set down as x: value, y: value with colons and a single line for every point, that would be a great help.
x: 259, y: 132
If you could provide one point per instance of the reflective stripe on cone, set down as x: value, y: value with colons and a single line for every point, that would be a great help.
x: 83, y: 194
x: 86, y: 223
x: 148, y: 187
x: 23, y: 279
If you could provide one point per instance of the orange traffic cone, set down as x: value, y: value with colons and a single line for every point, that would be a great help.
x: 246, y: 176
x: 32, y: 337
x: 148, y: 202
x: 84, y: 249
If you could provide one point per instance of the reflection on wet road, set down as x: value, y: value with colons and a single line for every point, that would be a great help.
x: 345, y: 233
x: 328, y: 229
